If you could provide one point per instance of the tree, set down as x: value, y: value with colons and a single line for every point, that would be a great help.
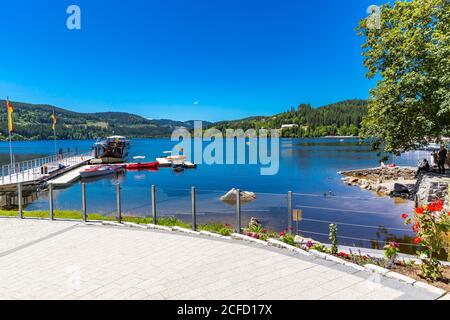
x: 409, y: 52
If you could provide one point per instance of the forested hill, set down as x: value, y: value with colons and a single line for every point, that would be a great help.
x: 342, y: 118
x: 32, y: 121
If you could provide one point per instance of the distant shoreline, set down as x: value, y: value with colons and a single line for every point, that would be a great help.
x: 340, y: 137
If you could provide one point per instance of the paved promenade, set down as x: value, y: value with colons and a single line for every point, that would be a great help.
x: 69, y: 260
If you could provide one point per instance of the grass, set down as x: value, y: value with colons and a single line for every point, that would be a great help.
x: 220, y: 228
x: 77, y: 215
x: 216, y: 227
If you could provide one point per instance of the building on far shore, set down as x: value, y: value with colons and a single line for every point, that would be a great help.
x: 289, y: 126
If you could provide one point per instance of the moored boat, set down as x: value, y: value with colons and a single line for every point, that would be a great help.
x: 100, y: 170
x: 113, y: 149
x: 143, y: 165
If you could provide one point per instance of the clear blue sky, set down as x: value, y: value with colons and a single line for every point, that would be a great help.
x: 157, y: 58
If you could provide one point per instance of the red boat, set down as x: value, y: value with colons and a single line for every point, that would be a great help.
x: 143, y: 165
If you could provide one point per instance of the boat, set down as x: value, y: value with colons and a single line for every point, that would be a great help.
x: 143, y: 165
x: 178, y: 166
x: 113, y: 149
x: 100, y: 170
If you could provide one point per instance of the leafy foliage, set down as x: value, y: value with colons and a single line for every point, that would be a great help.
x: 410, y: 54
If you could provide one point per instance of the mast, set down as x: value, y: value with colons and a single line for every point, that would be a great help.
x: 10, y: 138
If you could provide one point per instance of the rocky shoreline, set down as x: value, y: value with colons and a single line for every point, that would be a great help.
x: 401, y: 182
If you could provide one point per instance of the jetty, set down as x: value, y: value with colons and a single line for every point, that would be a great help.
x: 68, y: 177
x: 44, y: 170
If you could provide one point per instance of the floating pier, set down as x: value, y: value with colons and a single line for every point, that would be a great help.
x: 37, y: 171
x: 69, y: 177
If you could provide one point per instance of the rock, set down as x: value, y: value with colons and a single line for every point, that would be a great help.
x: 245, y: 196
x: 400, y: 188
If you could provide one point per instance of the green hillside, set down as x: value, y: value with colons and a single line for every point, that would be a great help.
x: 342, y: 118
x: 33, y: 122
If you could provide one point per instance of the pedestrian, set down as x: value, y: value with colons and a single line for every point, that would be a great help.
x: 442, y: 156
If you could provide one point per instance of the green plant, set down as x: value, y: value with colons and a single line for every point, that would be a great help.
x: 333, y: 238
x: 431, y: 225
x: 226, y: 231
x: 220, y: 228
x: 320, y: 247
x: 391, y: 251
x: 287, y: 237
x: 258, y: 232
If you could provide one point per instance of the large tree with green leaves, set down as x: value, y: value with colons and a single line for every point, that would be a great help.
x: 407, y: 50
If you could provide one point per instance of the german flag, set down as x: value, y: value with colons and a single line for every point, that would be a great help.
x: 10, y: 110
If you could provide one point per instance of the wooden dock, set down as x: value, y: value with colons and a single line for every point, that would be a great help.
x: 33, y: 172
x: 69, y: 177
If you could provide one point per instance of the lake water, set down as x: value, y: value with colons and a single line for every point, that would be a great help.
x: 308, y: 167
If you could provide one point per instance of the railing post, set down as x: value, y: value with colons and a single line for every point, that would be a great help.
x: 83, y: 202
x: 20, y: 199
x: 154, y: 204
x: 119, y: 204
x: 50, y: 201
x: 290, y: 212
x: 238, y: 211
x: 194, y: 209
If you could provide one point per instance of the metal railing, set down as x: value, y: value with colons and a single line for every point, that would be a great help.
x: 28, y: 169
x: 155, y: 211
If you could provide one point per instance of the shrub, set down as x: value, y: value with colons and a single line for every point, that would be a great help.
x: 333, y: 238
x: 431, y: 225
x: 287, y: 237
x: 391, y: 251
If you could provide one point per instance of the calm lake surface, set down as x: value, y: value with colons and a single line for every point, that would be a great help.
x: 308, y: 167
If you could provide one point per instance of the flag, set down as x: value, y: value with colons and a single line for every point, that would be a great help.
x: 10, y: 110
x: 54, y: 120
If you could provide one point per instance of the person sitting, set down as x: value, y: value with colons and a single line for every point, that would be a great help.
x: 424, y: 166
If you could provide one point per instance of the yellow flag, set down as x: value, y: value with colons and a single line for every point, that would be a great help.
x: 54, y: 120
x: 10, y: 110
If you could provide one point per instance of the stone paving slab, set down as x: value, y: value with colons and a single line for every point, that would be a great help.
x: 104, y: 262
x: 15, y: 233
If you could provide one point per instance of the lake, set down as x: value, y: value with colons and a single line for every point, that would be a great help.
x: 308, y: 167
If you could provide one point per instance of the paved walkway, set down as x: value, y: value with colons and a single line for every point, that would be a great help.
x: 69, y: 260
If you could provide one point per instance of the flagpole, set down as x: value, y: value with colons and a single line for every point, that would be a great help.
x: 10, y: 141
x: 54, y: 136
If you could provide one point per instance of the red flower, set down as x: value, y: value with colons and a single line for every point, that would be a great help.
x: 417, y: 240
x: 343, y: 254
x: 435, y: 206
x: 420, y: 210
x: 416, y: 226
x: 404, y: 216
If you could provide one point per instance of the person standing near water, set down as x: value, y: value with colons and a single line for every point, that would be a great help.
x: 442, y: 156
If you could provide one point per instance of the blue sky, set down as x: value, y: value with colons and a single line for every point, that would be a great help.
x: 183, y: 59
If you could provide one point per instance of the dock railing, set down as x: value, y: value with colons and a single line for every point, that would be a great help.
x: 29, y: 170
x: 307, y: 215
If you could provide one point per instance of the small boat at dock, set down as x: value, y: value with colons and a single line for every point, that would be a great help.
x: 143, y: 165
x: 100, y: 170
